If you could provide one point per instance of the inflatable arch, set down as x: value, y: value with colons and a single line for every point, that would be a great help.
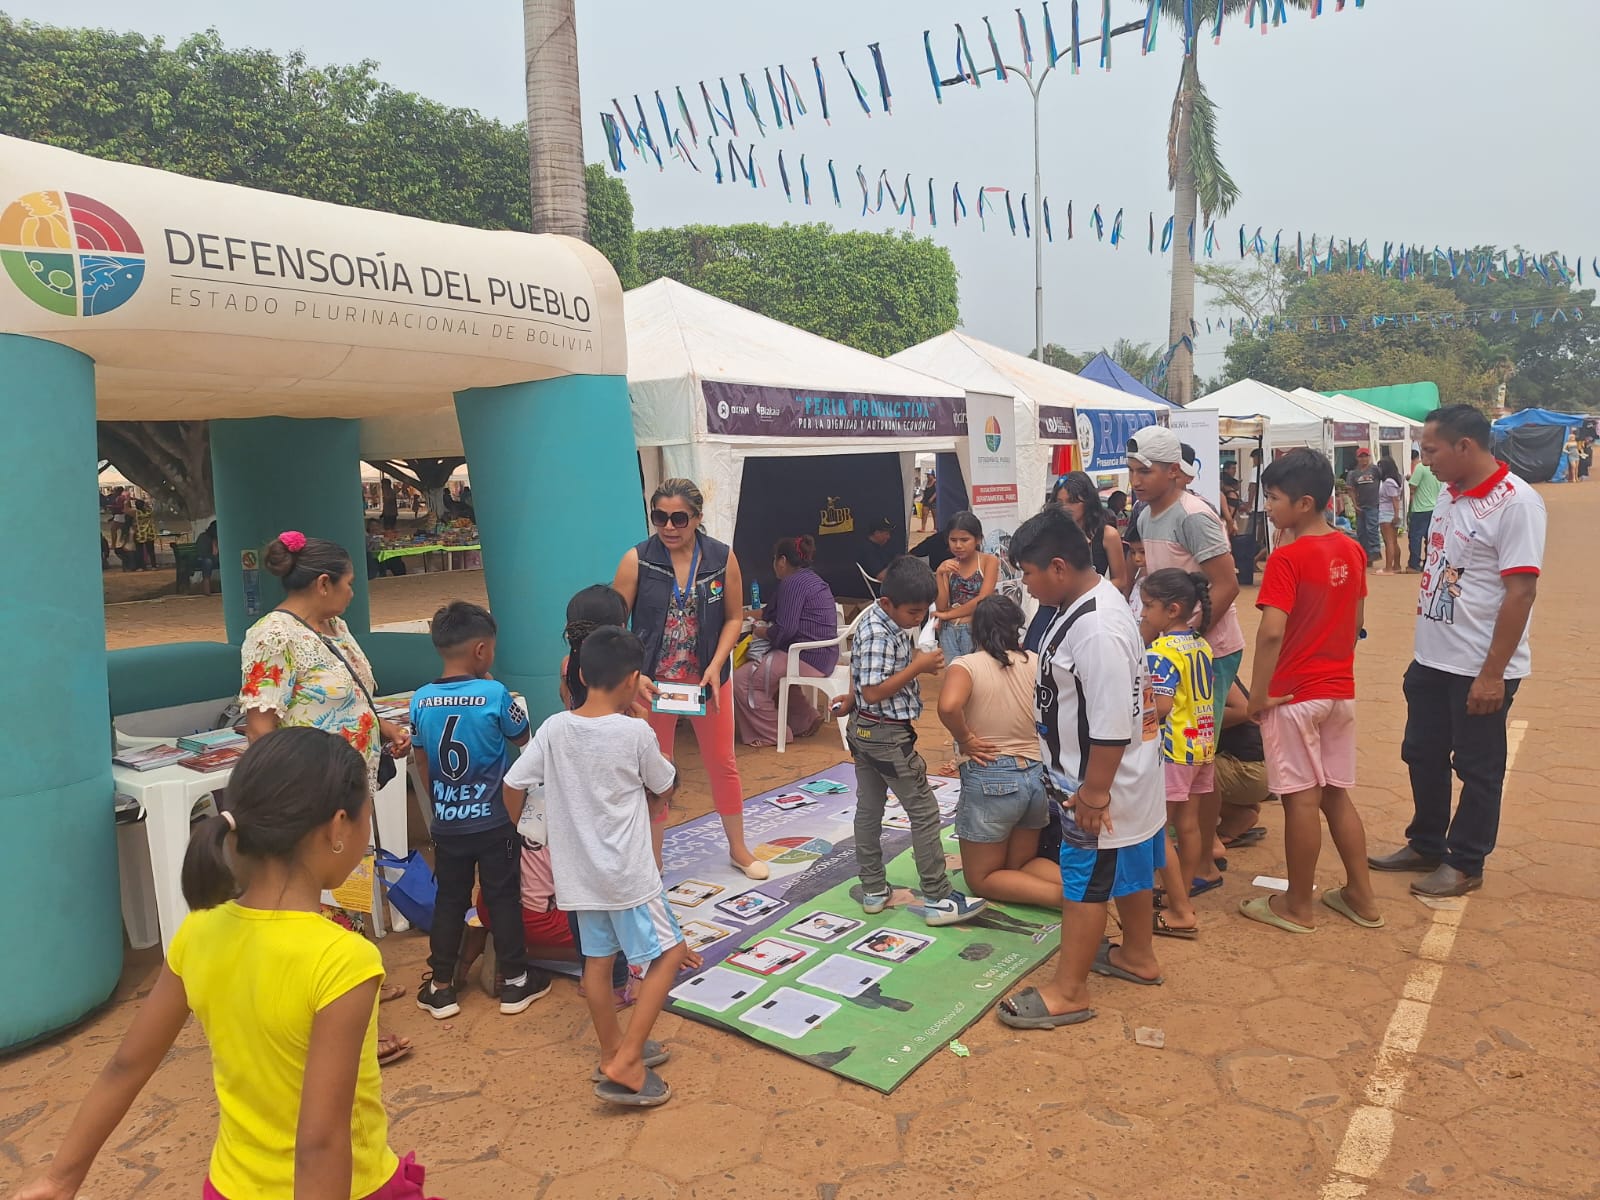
x: 310, y: 335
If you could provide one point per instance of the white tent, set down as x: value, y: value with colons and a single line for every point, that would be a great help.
x: 1291, y: 420
x: 1389, y: 430
x: 1047, y: 399
x: 713, y: 384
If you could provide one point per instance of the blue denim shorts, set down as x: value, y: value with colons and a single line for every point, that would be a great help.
x: 1006, y: 795
x: 955, y: 640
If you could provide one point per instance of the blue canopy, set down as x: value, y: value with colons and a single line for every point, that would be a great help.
x: 1102, y: 369
x: 1538, y: 416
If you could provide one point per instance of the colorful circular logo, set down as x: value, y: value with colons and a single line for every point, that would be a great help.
x: 70, y: 253
x: 991, y: 434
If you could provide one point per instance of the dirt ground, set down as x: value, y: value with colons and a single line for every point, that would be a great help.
x: 1452, y: 1053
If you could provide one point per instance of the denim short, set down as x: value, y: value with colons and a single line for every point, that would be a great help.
x: 999, y: 798
x: 955, y: 640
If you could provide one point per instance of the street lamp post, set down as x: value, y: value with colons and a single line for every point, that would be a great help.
x: 1035, y: 86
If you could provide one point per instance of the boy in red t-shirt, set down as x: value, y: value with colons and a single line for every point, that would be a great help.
x: 1303, y: 692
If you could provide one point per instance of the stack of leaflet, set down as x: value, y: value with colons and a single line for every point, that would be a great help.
x: 149, y: 758
x: 213, y: 739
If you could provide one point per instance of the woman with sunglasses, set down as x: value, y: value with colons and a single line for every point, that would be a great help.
x: 685, y: 593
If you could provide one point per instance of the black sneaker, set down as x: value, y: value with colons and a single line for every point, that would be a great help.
x: 515, y: 997
x: 437, y: 1002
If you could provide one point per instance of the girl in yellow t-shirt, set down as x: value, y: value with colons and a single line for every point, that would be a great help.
x: 287, y: 999
x: 1183, y: 680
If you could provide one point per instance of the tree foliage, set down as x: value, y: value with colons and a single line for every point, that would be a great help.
x: 1061, y: 358
x: 878, y: 292
x: 275, y: 122
x: 1455, y: 340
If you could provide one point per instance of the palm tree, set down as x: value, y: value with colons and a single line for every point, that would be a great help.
x: 1136, y: 358
x: 555, y: 126
x: 1197, y: 179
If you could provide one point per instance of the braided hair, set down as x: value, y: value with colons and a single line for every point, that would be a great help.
x: 596, y: 605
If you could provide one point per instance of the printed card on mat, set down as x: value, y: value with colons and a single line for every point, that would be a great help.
x: 769, y: 956
x: 892, y: 945
x: 716, y: 988
x: 691, y: 892
x: 699, y: 934
x: 824, y: 927
x: 844, y: 976
x: 789, y: 1012
x: 748, y: 907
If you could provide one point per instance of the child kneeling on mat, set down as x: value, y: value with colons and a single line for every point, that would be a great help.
x: 599, y: 767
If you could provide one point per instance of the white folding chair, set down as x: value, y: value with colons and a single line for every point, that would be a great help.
x: 830, y: 686
x: 872, y: 584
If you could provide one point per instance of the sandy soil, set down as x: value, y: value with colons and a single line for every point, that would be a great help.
x: 1272, y: 1043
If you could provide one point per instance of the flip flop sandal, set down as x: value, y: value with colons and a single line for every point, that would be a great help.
x: 1334, y: 899
x: 1221, y: 863
x: 1200, y: 887
x: 654, y: 1092
x: 394, y: 1055
x: 1259, y: 908
x: 654, y: 1055
x: 1249, y: 837
x: 1162, y: 929
x: 392, y: 991
x: 1026, y: 1010
x: 1103, y: 965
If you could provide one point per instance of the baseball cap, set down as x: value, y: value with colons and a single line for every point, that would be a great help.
x: 1190, y: 464
x: 1363, y: 450
x: 1155, y: 444
x: 881, y: 525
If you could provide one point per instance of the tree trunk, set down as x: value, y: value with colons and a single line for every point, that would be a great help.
x: 1180, y: 370
x: 555, y: 125
x: 171, y: 460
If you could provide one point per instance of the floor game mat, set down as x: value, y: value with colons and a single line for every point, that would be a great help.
x: 794, y: 963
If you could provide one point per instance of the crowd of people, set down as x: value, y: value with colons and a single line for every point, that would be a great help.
x: 1092, y: 762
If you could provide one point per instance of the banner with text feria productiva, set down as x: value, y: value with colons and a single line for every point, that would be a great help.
x: 992, y: 449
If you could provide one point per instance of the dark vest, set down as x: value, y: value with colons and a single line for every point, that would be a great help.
x: 656, y: 580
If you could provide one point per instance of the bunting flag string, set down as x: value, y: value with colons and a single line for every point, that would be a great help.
x: 1116, y: 228
x: 1099, y: 224
x: 1152, y: 22
x: 783, y: 176
x: 1049, y: 236
x: 965, y: 67
x: 1027, y: 231
x: 750, y: 103
x: 861, y: 95
x: 1027, y: 46
x: 822, y: 90
x: 772, y: 95
x: 994, y: 49
x: 833, y: 182
x: 933, y: 67
x: 1105, y: 35
x: 683, y: 113
x: 1051, y: 56
x: 1077, y: 42
x: 666, y: 125
x: 883, y: 77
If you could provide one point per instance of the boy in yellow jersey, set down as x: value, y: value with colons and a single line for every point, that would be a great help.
x: 1183, y: 678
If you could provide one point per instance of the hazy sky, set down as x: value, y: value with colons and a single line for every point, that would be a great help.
x: 1439, y: 121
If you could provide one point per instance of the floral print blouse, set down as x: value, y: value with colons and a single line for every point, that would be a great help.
x: 680, y: 662
x: 289, y: 671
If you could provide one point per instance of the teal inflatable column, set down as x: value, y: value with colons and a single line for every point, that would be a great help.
x: 275, y: 473
x: 555, y: 483
x: 62, y: 932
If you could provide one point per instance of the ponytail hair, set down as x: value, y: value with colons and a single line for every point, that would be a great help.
x: 286, y: 784
x: 796, y: 551
x: 596, y: 605
x: 997, y: 627
x: 1189, y: 590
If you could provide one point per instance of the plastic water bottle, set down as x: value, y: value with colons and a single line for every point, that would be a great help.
x: 755, y: 595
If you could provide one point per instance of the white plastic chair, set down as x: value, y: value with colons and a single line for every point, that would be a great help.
x: 872, y: 584
x: 830, y: 686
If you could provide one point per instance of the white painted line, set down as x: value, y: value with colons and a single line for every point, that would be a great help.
x: 1370, y: 1135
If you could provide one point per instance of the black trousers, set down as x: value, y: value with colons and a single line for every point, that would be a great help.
x: 1441, y: 735
x: 496, y: 857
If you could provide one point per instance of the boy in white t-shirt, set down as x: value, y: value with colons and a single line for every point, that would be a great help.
x: 599, y: 764
x: 1100, y: 742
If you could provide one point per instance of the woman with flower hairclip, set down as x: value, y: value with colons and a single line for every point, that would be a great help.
x: 302, y: 667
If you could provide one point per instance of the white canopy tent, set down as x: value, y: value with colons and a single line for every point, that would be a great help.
x: 1047, y: 399
x: 1291, y: 421
x: 713, y: 384
x: 1390, y: 431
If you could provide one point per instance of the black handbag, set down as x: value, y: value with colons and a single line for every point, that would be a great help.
x: 386, y: 764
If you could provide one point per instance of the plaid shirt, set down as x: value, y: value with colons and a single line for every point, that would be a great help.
x: 881, y: 649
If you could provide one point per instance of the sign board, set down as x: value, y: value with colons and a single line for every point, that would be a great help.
x: 755, y: 410
x: 1198, y: 429
x: 1391, y: 433
x: 992, y: 457
x: 1057, y: 424
x: 1351, y: 431
x: 1103, y: 435
x: 172, y: 277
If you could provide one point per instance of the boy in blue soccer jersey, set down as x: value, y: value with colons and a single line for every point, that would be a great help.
x: 464, y: 724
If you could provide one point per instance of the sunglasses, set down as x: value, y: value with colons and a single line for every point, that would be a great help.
x: 678, y: 520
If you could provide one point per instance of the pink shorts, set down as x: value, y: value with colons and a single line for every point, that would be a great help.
x: 1309, y: 745
x: 1189, y: 779
x: 404, y: 1184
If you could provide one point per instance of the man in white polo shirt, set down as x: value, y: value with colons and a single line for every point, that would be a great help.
x: 1485, y: 549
